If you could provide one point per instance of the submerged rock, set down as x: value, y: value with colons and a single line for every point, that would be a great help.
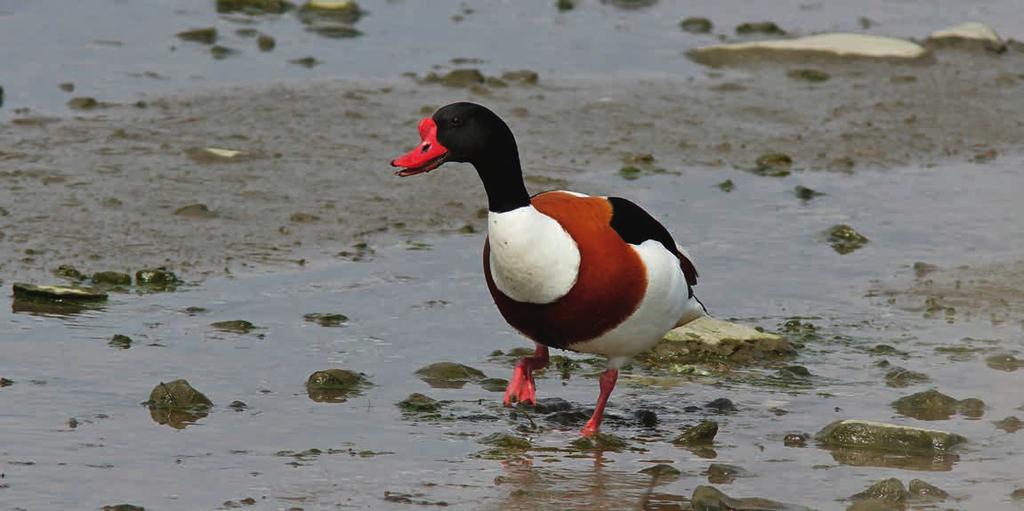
x: 419, y: 403
x: 83, y: 103
x: 64, y: 271
x: 920, y: 490
x: 235, y: 326
x: 122, y: 507
x: 326, y: 319
x: 177, y: 404
x: 334, y: 385
x: 702, y: 433
x: 494, y: 384
x: 599, y: 442
x: 808, y: 75
x: 713, y: 340
x: 899, y: 377
x: 120, y: 341
x: 1004, y: 362
x: 804, y: 193
x: 759, y: 27
x: 773, y: 165
x: 929, y: 405
x: 970, y: 33
x: 449, y: 375
x: 721, y: 473
x: 57, y: 293
x: 709, y: 498
x: 503, y: 446
x: 195, y: 211
x: 795, y: 440
x: 253, y: 6
x: 523, y: 76
x: 112, y: 278
x: 462, y: 77
x: 887, y: 490
x: 199, y: 35
x: 1010, y: 424
x: 830, y: 46
x: 880, y: 436
x: 265, y: 43
x: 726, y: 186
x: 158, y: 279
x: 696, y: 25
x: 844, y: 239
x: 662, y: 471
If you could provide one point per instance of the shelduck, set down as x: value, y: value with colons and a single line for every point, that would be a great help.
x: 567, y: 270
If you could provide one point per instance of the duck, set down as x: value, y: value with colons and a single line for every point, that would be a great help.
x: 569, y: 271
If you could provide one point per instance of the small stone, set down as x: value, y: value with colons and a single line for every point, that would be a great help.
x: 449, y: 375
x: 303, y: 218
x: 238, y: 406
x: 759, y: 27
x: 253, y: 6
x: 726, y: 186
x: 419, y: 403
x: 804, y: 193
x: 699, y: 434
x: 646, y: 418
x: 83, y: 103
x: 565, y: 5
x: 334, y: 385
x: 307, y: 62
x: 795, y: 440
x: 899, y: 377
x: 924, y: 491
x: 265, y: 43
x: 199, y: 35
x: 195, y: 211
x: 887, y: 490
x: 721, y: 405
x: 236, y: 326
x: 927, y: 405
x: 834, y: 46
x: 844, y: 239
x: 494, y: 384
x: 599, y: 442
x: 808, y: 75
x: 177, y: 395
x: 112, y: 278
x: 662, y: 471
x: 1004, y: 362
x: 971, y: 407
x: 4, y: 382
x: 1009, y: 424
x: 696, y: 25
x: 222, y: 52
x: 709, y: 498
x: 523, y: 76
x: 120, y: 341
x: 773, y: 165
x: 157, y: 278
x: 332, y: 5
x: 462, y: 77
x: 721, y: 473
x: 326, y: 319
x: 506, y: 441
x: 122, y: 507
x: 65, y: 271
x: 216, y: 155
x: 67, y: 87
x: 551, y: 405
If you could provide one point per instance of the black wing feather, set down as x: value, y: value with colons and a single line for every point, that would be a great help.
x: 635, y: 226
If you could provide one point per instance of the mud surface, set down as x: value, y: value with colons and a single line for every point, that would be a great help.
x: 304, y: 237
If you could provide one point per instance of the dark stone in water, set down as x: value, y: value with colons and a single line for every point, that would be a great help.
x: 334, y: 385
x: 326, y: 319
x: 494, y: 384
x: 899, y: 377
x: 122, y: 507
x: 57, y: 293
x: 551, y: 405
x: 237, y: 326
x: 120, y: 341
x: 113, y: 278
x: 199, y: 35
x: 709, y: 498
x: 646, y: 418
x: 449, y: 375
x: 238, y: 406
x: 887, y: 490
x: 662, y: 471
x: 157, y: 278
x: 844, y: 239
x: 698, y: 434
x: 1009, y: 424
x: 721, y: 405
x: 599, y: 442
x: 177, y: 404
x: 419, y: 403
x: 721, y: 473
x: 696, y: 25
x: 795, y: 439
x: 254, y: 6
x: 921, y: 490
x: 759, y: 27
x: 567, y: 418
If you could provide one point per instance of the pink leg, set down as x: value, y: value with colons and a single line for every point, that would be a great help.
x: 608, y: 378
x: 521, y: 387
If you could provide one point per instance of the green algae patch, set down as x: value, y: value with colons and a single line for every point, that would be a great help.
x: 702, y: 433
x: 845, y: 239
x: 713, y: 340
x: 418, y: 403
x: 449, y: 375
x: 235, y: 326
x: 599, y: 442
x: 335, y: 385
x: 157, y: 279
x: 880, y: 436
x: 177, y: 404
x: 326, y: 319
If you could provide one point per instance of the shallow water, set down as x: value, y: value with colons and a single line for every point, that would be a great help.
x: 418, y: 297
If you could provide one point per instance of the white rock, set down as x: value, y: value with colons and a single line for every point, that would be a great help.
x: 829, y: 45
x: 712, y: 331
x: 332, y: 5
x: 971, y: 31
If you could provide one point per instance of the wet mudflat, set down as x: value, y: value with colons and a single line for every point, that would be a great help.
x: 299, y: 252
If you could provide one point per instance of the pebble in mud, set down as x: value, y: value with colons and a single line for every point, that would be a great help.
x: 856, y: 434
x: 599, y: 442
x: 721, y: 405
x: 265, y: 43
x: 122, y: 507
x: 195, y: 211
x: 808, y: 75
x: 83, y: 103
x: 805, y: 194
x: 1004, y: 362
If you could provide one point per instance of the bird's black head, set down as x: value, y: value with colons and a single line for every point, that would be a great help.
x: 462, y: 132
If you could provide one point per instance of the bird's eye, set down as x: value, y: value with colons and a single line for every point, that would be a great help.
x: 456, y: 121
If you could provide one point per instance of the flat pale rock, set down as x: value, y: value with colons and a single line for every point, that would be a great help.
x: 712, y: 331
x: 970, y: 31
x: 839, y: 45
x: 22, y: 290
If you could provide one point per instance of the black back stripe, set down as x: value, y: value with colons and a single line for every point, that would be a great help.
x: 635, y: 226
